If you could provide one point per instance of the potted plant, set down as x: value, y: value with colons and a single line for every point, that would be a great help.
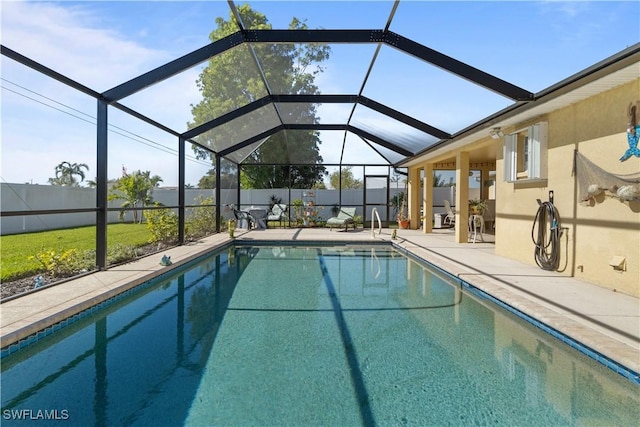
x: 403, y: 216
x: 477, y: 206
x: 395, y: 203
x: 274, y: 200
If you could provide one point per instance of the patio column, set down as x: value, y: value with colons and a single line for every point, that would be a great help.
x: 462, y: 196
x: 414, y: 198
x: 427, y: 198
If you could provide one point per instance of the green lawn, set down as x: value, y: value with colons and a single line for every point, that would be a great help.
x: 16, y: 249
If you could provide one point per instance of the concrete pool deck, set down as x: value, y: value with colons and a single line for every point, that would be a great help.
x: 603, y: 320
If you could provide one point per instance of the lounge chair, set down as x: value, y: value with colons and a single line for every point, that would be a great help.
x: 278, y: 213
x: 450, y: 219
x: 344, y: 218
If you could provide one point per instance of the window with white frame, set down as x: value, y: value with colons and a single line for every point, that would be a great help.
x: 525, y: 153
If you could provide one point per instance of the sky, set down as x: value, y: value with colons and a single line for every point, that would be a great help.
x: 102, y: 44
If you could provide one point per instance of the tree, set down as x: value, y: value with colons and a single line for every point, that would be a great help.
x: 227, y: 180
x: 93, y: 183
x: 395, y: 177
x: 65, y: 173
x: 136, y: 190
x: 438, y: 180
x: 348, y: 180
x: 231, y: 80
x: 207, y: 181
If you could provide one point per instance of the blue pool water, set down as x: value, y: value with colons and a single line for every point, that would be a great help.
x: 300, y: 336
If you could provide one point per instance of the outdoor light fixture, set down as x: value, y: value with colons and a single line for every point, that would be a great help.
x: 496, y: 133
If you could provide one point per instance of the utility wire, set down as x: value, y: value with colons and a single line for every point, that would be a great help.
x: 141, y: 140
x: 48, y: 226
x: 93, y: 121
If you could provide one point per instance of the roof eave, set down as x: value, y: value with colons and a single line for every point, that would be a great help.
x: 625, y: 58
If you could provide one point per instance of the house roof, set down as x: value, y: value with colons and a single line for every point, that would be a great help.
x: 614, y: 71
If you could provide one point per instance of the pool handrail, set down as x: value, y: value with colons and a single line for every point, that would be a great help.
x: 374, y: 215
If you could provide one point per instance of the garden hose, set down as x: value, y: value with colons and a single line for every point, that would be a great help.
x: 547, y: 238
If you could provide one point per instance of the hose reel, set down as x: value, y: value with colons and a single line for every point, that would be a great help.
x: 546, y: 233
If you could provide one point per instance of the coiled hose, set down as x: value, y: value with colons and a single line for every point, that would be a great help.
x: 547, y: 239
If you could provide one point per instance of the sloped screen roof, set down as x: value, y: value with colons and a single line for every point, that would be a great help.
x: 264, y: 105
x: 398, y: 77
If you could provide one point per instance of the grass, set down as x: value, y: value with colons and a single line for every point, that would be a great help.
x: 16, y: 249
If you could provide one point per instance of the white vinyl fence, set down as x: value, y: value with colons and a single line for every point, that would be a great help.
x: 26, y: 197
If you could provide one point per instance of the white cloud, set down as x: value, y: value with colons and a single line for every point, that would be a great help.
x: 69, y: 40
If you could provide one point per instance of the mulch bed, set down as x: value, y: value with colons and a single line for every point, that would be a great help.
x: 25, y: 284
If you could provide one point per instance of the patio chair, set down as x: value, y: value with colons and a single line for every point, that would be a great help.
x: 243, y: 218
x: 450, y: 217
x: 344, y: 218
x: 278, y: 213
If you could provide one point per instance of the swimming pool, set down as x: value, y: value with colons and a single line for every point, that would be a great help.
x: 316, y: 335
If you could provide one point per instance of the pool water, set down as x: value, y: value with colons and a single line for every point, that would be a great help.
x: 300, y: 336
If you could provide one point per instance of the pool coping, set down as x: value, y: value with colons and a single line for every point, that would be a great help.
x: 478, y: 291
x: 91, y: 290
x: 94, y: 289
x: 618, y: 356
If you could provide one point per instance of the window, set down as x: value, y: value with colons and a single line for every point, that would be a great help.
x: 525, y: 153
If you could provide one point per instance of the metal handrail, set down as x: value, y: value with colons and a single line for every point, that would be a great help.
x: 374, y: 215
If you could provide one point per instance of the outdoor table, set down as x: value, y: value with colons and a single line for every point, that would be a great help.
x: 260, y: 217
x: 476, y: 227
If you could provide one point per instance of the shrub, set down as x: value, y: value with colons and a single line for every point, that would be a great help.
x: 162, y: 224
x: 201, y: 221
x: 120, y: 253
x: 64, y: 263
x: 298, y: 210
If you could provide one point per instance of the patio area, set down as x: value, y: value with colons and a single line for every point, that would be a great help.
x: 607, y: 322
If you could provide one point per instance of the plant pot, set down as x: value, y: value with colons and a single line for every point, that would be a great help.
x: 404, y: 224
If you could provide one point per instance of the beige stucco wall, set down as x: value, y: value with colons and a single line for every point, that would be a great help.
x: 596, y: 127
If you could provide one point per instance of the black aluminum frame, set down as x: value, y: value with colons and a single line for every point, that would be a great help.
x: 112, y: 97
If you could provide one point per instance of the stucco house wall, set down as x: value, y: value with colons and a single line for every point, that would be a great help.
x: 596, y: 232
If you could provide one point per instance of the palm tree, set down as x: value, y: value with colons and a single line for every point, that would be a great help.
x: 395, y: 178
x: 438, y: 180
x: 65, y: 173
x: 136, y: 190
